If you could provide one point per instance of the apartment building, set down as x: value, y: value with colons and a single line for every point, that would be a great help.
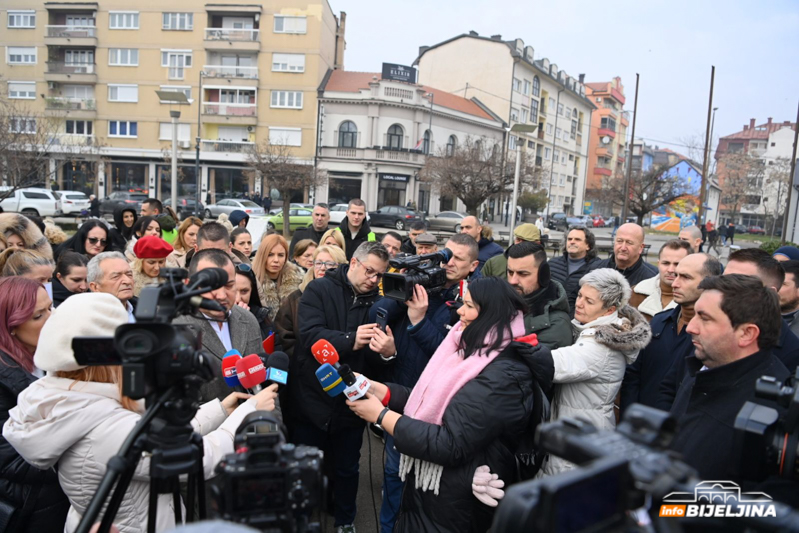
x: 522, y: 89
x: 376, y: 134
x: 249, y: 72
x: 606, y: 144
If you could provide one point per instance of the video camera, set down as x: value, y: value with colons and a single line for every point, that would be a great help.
x: 266, y: 483
x: 424, y: 270
x: 768, y: 439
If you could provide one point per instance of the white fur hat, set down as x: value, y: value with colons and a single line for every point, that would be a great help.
x: 90, y: 314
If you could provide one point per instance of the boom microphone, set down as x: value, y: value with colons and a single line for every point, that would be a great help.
x: 278, y: 371
x: 229, y: 368
x: 251, y: 373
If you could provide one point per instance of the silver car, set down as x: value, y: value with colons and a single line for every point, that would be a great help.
x: 339, y: 211
x: 232, y: 204
x: 446, y: 221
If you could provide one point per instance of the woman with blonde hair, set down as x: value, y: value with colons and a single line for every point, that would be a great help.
x: 277, y: 276
x: 77, y: 418
x: 185, y: 241
x: 27, y: 264
x: 20, y: 232
x: 151, y: 253
x: 333, y: 237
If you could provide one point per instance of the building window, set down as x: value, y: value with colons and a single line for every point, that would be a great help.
x: 574, y: 128
x: 511, y: 142
x: 608, y: 123
x: 525, y: 115
x: 79, y: 127
x: 285, y: 24
x: 165, y: 131
x: 123, y: 57
x: 288, y: 62
x: 123, y: 93
x: 176, y: 61
x: 565, y: 135
x: 178, y: 21
x: 22, y: 90
x: 517, y: 85
x: 562, y: 179
x: 549, y: 129
x: 21, y: 19
x: 547, y: 153
x: 568, y: 113
x: 79, y: 57
x: 452, y: 143
x: 526, y: 87
x: 536, y: 86
x: 551, y: 103
x: 285, y: 136
x: 560, y: 109
x: 123, y: 20
x: 533, y: 110
x: 557, y: 155
x: 557, y: 133
x: 179, y: 89
x: 574, y: 113
x: 514, y: 114
x: 21, y: 55
x: 348, y: 135
x: 287, y: 99
x: 21, y: 125
x: 395, y: 136
x: 122, y: 128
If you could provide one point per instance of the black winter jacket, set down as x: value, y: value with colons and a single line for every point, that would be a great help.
x: 640, y: 271
x: 559, y: 270
x: 408, y: 247
x: 121, y: 234
x: 487, y: 249
x: 36, y: 495
x: 307, y: 232
x: 60, y: 293
x: 706, y: 407
x: 329, y: 309
x: 483, y: 425
x: 351, y: 241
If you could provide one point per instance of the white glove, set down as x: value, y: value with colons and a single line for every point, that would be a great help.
x: 487, y: 487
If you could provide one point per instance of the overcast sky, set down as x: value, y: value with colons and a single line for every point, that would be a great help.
x: 671, y: 44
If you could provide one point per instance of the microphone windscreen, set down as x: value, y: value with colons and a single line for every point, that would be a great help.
x: 278, y: 370
x: 329, y: 379
x: 324, y: 352
x: 251, y: 371
x: 229, y: 369
x: 231, y: 352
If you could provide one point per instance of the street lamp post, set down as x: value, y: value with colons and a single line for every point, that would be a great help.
x: 517, y: 128
x: 179, y: 98
x: 197, y: 177
x: 552, y: 167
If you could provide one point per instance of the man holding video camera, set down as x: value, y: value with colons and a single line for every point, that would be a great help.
x: 413, y: 333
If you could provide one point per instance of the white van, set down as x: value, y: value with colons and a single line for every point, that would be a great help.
x: 31, y: 201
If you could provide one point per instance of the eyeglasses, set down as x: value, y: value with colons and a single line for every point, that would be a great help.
x: 244, y: 268
x: 370, y: 272
x: 95, y: 240
x: 326, y: 264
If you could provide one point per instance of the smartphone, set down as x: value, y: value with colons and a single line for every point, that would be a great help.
x: 382, y: 318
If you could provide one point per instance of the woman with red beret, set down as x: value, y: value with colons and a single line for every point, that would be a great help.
x: 151, y: 252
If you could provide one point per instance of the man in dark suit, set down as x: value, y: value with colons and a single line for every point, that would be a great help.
x: 237, y: 329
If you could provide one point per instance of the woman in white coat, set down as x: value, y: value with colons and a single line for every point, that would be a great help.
x: 588, y: 374
x: 77, y: 418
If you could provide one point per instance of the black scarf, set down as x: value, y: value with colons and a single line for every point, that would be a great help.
x: 537, y: 300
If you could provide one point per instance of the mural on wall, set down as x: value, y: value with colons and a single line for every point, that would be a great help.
x: 682, y: 211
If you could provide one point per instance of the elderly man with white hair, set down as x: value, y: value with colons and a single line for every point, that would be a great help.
x: 608, y: 336
x: 111, y: 273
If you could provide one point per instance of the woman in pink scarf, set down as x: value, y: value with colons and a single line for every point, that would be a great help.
x: 469, y: 408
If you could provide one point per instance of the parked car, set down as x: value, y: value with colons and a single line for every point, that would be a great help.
x: 598, y: 221
x: 229, y: 205
x: 557, y: 221
x: 446, y: 221
x: 740, y: 228
x: 298, y: 218
x: 279, y: 209
x: 579, y: 221
x: 73, y: 202
x: 394, y: 216
x: 339, y: 211
x: 756, y: 230
x: 30, y: 201
x: 186, y: 205
x: 117, y: 198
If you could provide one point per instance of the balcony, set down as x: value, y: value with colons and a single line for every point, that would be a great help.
x: 77, y: 108
x: 240, y: 74
x: 538, y: 161
x: 71, y: 72
x: 415, y: 159
x: 244, y: 114
x: 604, y: 151
x: 70, y: 141
x: 540, y: 131
x: 232, y: 39
x: 71, y: 36
x: 231, y: 147
x: 607, y: 131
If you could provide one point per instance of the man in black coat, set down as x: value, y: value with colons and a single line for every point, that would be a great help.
x: 318, y: 227
x: 335, y: 308
x: 627, y: 259
x: 94, y: 206
x: 732, y: 351
x: 355, y: 228
x: 416, y: 229
x: 578, y: 259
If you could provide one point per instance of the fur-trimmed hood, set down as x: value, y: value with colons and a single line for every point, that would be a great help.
x: 626, y: 331
x: 25, y: 228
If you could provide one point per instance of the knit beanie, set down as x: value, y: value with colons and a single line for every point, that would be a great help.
x: 791, y: 252
x: 88, y: 314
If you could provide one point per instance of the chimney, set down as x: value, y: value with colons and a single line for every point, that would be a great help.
x: 497, y: 37
x: 746, y: 127
x: 473, y: 33
x: 769, y: 121
x: 787, y: 122
x: 423, y: 49
x: 751, y: 123
x: 581, y: 77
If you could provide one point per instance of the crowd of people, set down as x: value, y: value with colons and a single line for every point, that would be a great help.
x: 460, y: 375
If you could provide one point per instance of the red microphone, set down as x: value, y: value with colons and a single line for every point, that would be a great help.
x: 229, y: 370
x: 251, y: 373
x: 324, y: 352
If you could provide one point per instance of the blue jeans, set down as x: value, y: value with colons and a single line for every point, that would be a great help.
x: 392, y: 488
x: 343, y: 448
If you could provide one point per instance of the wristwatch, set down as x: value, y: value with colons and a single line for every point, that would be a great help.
x: 380, y: 417
x: 387, y: 359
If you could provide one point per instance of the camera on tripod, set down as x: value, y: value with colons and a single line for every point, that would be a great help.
x: 767, y: 438
x: 424, y: 270
x: 268, y: 483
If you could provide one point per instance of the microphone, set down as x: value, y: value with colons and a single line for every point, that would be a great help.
x: 213, y: 278
x: 326, y: 353
x: 251, y: 373
x: 229, y: 367
x: 330, y: 380
x: 278, y: 371
x: 205, y: 303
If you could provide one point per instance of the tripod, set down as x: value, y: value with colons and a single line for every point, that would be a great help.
x: 175, y: 449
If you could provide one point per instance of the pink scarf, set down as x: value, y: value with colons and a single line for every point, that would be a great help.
x: 447, y: 372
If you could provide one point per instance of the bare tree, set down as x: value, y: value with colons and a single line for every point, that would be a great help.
x: 740, y: 177
x: 777, y: 182
x: 284, y: 172
x: 648, y: 191
x: 473, y: 171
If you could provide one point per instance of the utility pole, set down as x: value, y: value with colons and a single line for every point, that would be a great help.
x: 552, y: 166
x: 628, y: 178
x: 197, y: 177
x: 791, y: 184
x: 703, y: 191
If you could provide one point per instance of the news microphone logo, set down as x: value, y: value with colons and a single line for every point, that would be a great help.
x: 358, y: 390
x: 330, y: 380
x: 277, y: 375
x: 324, y: 352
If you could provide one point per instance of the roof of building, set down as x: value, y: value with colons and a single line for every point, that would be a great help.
x: 599, y: 85
x: 353, y: 82
x: 753, y: 132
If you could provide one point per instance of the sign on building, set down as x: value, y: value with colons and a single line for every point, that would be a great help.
x: 399, y: 73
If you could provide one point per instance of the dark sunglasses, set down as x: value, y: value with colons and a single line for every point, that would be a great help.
x: 243, y: 268
x: 95, y: 240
